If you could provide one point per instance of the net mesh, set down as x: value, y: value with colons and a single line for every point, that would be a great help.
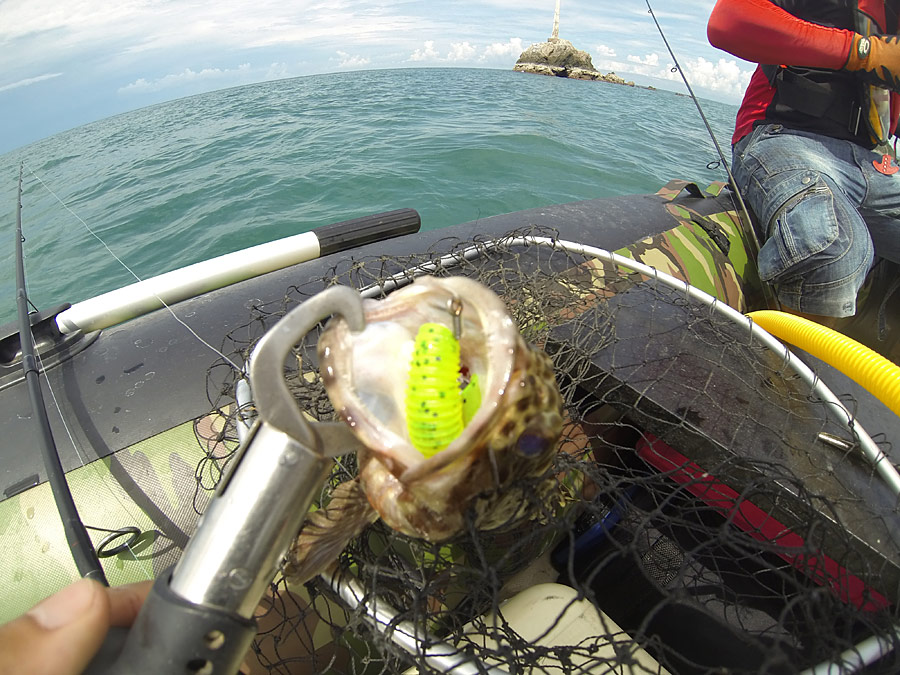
x: 700, y: 525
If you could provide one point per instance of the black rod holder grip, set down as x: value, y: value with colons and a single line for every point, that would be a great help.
x: 366, y: 230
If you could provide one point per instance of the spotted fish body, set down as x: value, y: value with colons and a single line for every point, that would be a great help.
x: 512, y: 435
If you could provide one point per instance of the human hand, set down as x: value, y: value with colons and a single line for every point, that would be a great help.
x: 61, y: 634
x: 876, y: 59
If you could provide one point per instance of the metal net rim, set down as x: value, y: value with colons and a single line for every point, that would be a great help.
x: 444, y: 656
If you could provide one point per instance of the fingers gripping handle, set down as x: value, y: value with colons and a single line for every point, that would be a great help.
x: 172, y: 635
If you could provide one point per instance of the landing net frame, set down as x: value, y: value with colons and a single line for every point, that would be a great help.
x: 435, y: 653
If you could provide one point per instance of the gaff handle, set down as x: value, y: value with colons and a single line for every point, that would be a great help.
x: 198, y: 617
x: 172, y: 635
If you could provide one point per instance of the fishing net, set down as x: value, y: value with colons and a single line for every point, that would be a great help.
x: 707, y: 516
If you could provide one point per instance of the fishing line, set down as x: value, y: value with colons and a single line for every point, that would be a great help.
x: 76, y: 536
x: 103, y: 478
x: 740, y: 199
x: 125, y: 508
x: 132, y: 272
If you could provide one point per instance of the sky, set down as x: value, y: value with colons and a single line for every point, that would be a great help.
x: 64, y: 63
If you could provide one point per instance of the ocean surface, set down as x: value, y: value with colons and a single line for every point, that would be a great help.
x: 190, y: 179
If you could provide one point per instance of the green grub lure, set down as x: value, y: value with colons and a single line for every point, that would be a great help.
x: 437, y: 407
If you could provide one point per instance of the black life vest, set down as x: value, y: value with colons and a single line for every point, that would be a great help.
x: 834, y: 102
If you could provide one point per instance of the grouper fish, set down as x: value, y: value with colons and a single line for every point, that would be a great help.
x: 434, y: 341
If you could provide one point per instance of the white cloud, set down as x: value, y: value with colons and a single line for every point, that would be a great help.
x: 461, y: 51
x: 724, y: 76
x: 279, y: 71
x: 216, y: 76
x: 499, y: 50
x: 54, y: 19
x: 347, y: 61
x: 427, y: 53
x: 648, y: 60
x: 28, y: 81
x: 602, y: 51
x: 48, y: 31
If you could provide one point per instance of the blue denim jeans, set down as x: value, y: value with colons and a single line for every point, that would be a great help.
x: 806, y: 190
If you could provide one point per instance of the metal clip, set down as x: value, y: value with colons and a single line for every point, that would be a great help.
x: 855, y: 118
x: 836, y: 441
x: 274, y: 402
x: 279, y: 468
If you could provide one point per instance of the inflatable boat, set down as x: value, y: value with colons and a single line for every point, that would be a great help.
x: 724, y: 510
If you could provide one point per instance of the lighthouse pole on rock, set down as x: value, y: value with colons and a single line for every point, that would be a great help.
x: 554, y: 37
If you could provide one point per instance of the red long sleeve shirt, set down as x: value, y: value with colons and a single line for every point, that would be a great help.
x: 761, y: 31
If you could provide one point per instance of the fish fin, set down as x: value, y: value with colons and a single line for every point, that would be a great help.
x: 327, y: 532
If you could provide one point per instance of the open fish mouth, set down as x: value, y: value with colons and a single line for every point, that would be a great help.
x: 451, y: 408
x: 418, y: 471
x: 435, y: 349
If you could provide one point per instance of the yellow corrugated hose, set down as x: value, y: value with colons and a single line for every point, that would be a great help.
x: 878, y: 375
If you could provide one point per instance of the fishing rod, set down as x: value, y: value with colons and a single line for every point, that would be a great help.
x: 86, y: 560
x: 743, y: 212
x: 696, y: 101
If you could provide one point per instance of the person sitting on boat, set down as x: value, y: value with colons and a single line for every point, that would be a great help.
x: 810, y: 147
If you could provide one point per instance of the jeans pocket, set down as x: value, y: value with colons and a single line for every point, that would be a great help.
x: 744, y: 164
x: 803, y: 222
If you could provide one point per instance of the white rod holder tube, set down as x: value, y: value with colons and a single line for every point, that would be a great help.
x: 150, y: 294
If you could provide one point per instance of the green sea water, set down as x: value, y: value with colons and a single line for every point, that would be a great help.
x: 190, y: 179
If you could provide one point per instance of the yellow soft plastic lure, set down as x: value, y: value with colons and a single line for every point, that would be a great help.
x: 437, y: 410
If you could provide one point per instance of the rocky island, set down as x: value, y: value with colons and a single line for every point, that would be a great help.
x: 562, y: 59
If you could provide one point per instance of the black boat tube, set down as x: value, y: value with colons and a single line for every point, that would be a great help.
x: 80, y: 544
